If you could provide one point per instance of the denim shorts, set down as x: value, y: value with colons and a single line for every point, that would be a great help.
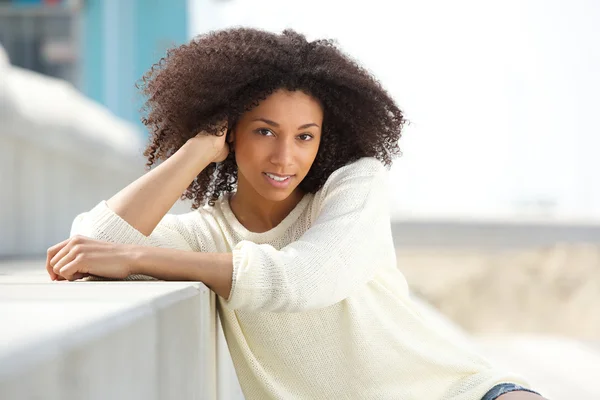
x: 502, y: 388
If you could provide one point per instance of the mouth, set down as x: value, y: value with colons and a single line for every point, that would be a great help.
x: 279, y: 181
x: 277, y: 176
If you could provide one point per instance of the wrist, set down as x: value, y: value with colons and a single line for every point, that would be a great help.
x: 204, y: 145
x: 134, y: 259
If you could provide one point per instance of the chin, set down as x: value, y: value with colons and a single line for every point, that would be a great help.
x: 277, y: 195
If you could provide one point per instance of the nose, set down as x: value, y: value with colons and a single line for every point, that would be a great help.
x: 282, y: 154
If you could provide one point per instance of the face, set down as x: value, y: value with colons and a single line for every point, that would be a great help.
x: 276, y: 144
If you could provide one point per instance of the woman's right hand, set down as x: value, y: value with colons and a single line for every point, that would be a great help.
x: 217, y: 146
x: 221, y: 148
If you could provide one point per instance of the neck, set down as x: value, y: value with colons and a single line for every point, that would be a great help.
x: 258, y: 214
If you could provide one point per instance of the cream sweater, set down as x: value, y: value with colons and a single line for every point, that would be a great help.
x: 319, y: 308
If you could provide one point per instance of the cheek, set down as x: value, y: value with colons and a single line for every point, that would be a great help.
x: 314, y: 151
x: 247, y: 153
x: 308, y: 158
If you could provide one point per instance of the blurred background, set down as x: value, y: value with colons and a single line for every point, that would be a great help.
x: 495, y: 202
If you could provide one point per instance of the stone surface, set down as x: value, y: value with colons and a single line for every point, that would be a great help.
x: 100, y: 340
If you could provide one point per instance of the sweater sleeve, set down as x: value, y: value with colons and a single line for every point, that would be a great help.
x: 173, y: 231
x: 341, y: 251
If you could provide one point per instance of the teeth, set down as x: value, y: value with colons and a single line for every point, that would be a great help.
x: 276, y: 178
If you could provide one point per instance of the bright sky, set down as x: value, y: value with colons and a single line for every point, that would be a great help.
x: 502, y: 96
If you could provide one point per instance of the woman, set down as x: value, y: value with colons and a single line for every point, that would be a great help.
x: 290, y: 227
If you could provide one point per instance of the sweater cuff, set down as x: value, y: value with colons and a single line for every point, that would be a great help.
x: 102, y: 223
x: 235, y: 299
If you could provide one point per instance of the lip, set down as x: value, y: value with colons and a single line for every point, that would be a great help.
x: 279, y: 185
x: 279, y: 175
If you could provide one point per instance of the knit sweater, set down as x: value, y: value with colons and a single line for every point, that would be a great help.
x: 318, y: 307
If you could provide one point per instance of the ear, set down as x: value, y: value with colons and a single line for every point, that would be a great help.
x: 230, y: 136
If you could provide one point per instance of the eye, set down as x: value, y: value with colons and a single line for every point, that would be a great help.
x: 263, y: 131
x: 307, y: 137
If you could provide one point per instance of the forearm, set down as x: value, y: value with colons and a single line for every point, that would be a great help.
x: 145, y: 201
x: 213, y: 269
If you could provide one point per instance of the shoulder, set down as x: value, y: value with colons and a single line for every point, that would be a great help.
x: 352, y: 185
x: 363, y: 170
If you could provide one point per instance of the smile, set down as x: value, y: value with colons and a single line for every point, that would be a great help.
x: 280, y: 182
x: 277, y: 177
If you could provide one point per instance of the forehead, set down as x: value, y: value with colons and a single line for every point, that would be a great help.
x: 285, y: 104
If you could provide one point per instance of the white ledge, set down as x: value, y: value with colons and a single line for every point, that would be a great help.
x: 100, y: 340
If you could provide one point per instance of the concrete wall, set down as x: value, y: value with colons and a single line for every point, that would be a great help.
x: 109, y: 340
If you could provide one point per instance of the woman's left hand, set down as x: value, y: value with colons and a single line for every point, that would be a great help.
x: 80, y: 256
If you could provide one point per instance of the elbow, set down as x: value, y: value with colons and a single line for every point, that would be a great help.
x: 101, y: 224
x: 79, y: 226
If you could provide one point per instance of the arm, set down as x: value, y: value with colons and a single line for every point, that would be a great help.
x: 143, y: 203
x: 212, y: 269
x: 81, y: 256
x: 136, y: 215
x: 348, y: 242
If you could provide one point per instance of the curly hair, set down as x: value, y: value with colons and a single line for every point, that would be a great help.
x: 218, y: 76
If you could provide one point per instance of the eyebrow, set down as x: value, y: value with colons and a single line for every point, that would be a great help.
x: 276, y: 125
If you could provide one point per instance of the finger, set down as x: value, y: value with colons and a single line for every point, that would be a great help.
x: 72, y: 270
x: 53, y: 276
x: 60, y: 253
x: 50, y: 254
x: 52, y: 250
x: 62, y: 262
